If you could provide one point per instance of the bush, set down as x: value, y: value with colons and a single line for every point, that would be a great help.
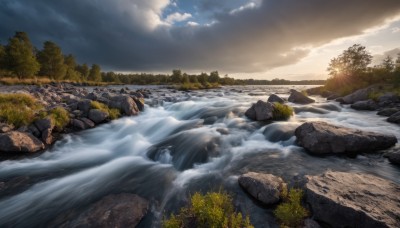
x: 291, y: 213
x: 213, y: 209
x: 59, y: 116
x: 282, y: 112
x: 18, y: 109
x: 113, y: 113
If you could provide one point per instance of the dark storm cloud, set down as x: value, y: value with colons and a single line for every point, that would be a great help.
x: 128, y: 35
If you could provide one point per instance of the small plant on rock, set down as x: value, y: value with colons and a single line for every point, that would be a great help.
x: 113, y: 113
x: 214, y: 209
x: 291, y: 213
x: 282, y: 111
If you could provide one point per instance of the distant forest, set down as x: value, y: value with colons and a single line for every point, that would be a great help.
x: 20, y: 59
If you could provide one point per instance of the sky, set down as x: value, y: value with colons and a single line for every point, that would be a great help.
x: 260, y: 39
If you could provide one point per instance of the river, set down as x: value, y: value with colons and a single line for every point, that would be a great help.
x: 199, y: 141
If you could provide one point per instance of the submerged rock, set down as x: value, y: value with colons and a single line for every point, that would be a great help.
x: 353, y: 200
x: 394, y: 157
x: 387, y: 111
x: 15, y: 141
x: 266, y: 188
x: 275, y: 98
x: 395, y: 118
x: 324, y: 138
x: 299, y: 98
x: 122, y: 210
x: 260, y: 111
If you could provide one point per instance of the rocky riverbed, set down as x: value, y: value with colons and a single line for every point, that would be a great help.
x: 134, y: 170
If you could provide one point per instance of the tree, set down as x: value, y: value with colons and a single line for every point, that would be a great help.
x: 110, y: 77
x: 20, y: 58
x: 214, y: 77
x: 388, y: 64
x: 185, y: 78
x: 193, y: 79
x: 95, y: 73
x: 203, y: 78
x: 351, y: 62
x: 176, y: 76
x: 83, y: 70
x: 51, y: 60
x: 2, y: 56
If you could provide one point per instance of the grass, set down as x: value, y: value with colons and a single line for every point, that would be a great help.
x: 113, y: 113
x: 18, y: 109
x: 197, y: 86
x: 291, y: 213
x: 45, y: 80
x: 59, y: 116
x: 282, y: 111
x: 214, y: 210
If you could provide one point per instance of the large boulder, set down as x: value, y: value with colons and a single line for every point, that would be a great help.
x: 118, y: 211
x: 359, y: 95
x: 353, y: 200
x: 78, y: 124
x: 388, y: 111
x: 394, y: 157
x: 395, y: 118
x: 275, y: 98
x: 324, y: 138
x: 299, y: 98
x: 97, y: 116
x: 45, y: 126
x: 266, y: 188
x: 260, y: 111
x: 124, y: 103
x: 84, y: 106
x: 368, y: 105
x: 15, y: 141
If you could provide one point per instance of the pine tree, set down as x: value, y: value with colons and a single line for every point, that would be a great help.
x: 20, y: 58
x: 52, y: 61
x: 95, y: 73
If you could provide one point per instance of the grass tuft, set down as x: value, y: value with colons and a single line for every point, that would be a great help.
x: 282, y: 111
x: 113, y: 113
x: 60, y: 117
x: 291, y: 213
x: 214, y: 209
x: 18, y: 109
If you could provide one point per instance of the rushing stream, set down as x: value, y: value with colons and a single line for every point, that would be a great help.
x: 197, y: 142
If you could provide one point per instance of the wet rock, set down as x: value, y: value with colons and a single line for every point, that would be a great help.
x: 368, y: 105
x: 88, y: 123
x: 310, y: 223
x: 92, y: 96
x: 275, y: 98
x: 97, y: 116
x: 118, y: 211
x: 395, y: 118
x: 5, y: 127
x: 44, y: 124
x: 260, y: 111
x: 15, y: 141
x: 46, y: 136
x: 299, y: 98
x: 124, y: 103
x: 388, y: 98
x: 359, y: 95
x: 387, y: 111
x: 34, y: 130
x: 324, y: 138
x: 139, y: 103
x: 353, y: 200
x: 266, y: 188
x: 394, y: 157
x: 333, y: 96
x: 77, y: 124
x: 84, y: 106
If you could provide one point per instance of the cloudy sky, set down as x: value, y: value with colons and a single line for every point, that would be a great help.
x: 263, y: 39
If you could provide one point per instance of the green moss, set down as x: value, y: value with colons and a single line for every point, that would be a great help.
x: 291, y: 213
x: 214, y: 209
x: 18, y: 109
x: 282, y: 111
x: 113, y: 113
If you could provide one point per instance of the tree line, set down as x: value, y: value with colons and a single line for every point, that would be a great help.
x: 20, y: 59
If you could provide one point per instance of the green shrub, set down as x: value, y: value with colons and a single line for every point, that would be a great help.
x: 59, y: 116
x: 214, y: 209
x: 113, y: 113
x: 18, y: 109
x: 282, y: 111
x: 291, y: 213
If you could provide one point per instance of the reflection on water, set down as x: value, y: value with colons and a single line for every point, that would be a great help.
x: 201, y: 142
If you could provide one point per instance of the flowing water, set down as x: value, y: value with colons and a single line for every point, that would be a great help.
x: 199, y: 141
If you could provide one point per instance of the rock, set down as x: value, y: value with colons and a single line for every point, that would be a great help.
x: 310, y: 223
x: 359, y: 95
x: 369, y: 105
x: 88, y: 123
x: 275, y: 98
x: 388, y: 98
x: 395, y: 118
x: 324, y: 138
x: 139, y: 103
x: 353, y: 200
x: 124, y: 103
x: 77, y: 124
x: 4, y: 128
x: 387, y: 111
x: 394, y: 157
x: 260, y: 111
x: 92, y: 96
x: 34, y: 131
x: 44, y: 124
x: 117, y: 211
x: 299, y: 98
x: 333, y: 96
x: 84, y: 106
x: 46, y: 137
x: 15, y: 141
x: 266, y: 188
x: 97, y: 116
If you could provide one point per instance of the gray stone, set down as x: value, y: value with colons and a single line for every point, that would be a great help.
x: 34, y: 131
x: 394, y: 157
x: 260, y: 111
x: 44, y: 124
x: 84, y: 106
x: 353, y: 200
x: 78, y: 124
x: 388, y: 111
x: 124, y: 103
x: 359, y: 95
x: 5, y: 127
x: 299, y: 98
x: 266, y: 188
x: 395, y: 118
x: 97, y: 116
x: 275, y: 98
x: 310, y: 223
x: 88, y: 123
x: 15, y: 141
x: 324, y: 138
x: 368, y: 105
x: 139, y: 103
